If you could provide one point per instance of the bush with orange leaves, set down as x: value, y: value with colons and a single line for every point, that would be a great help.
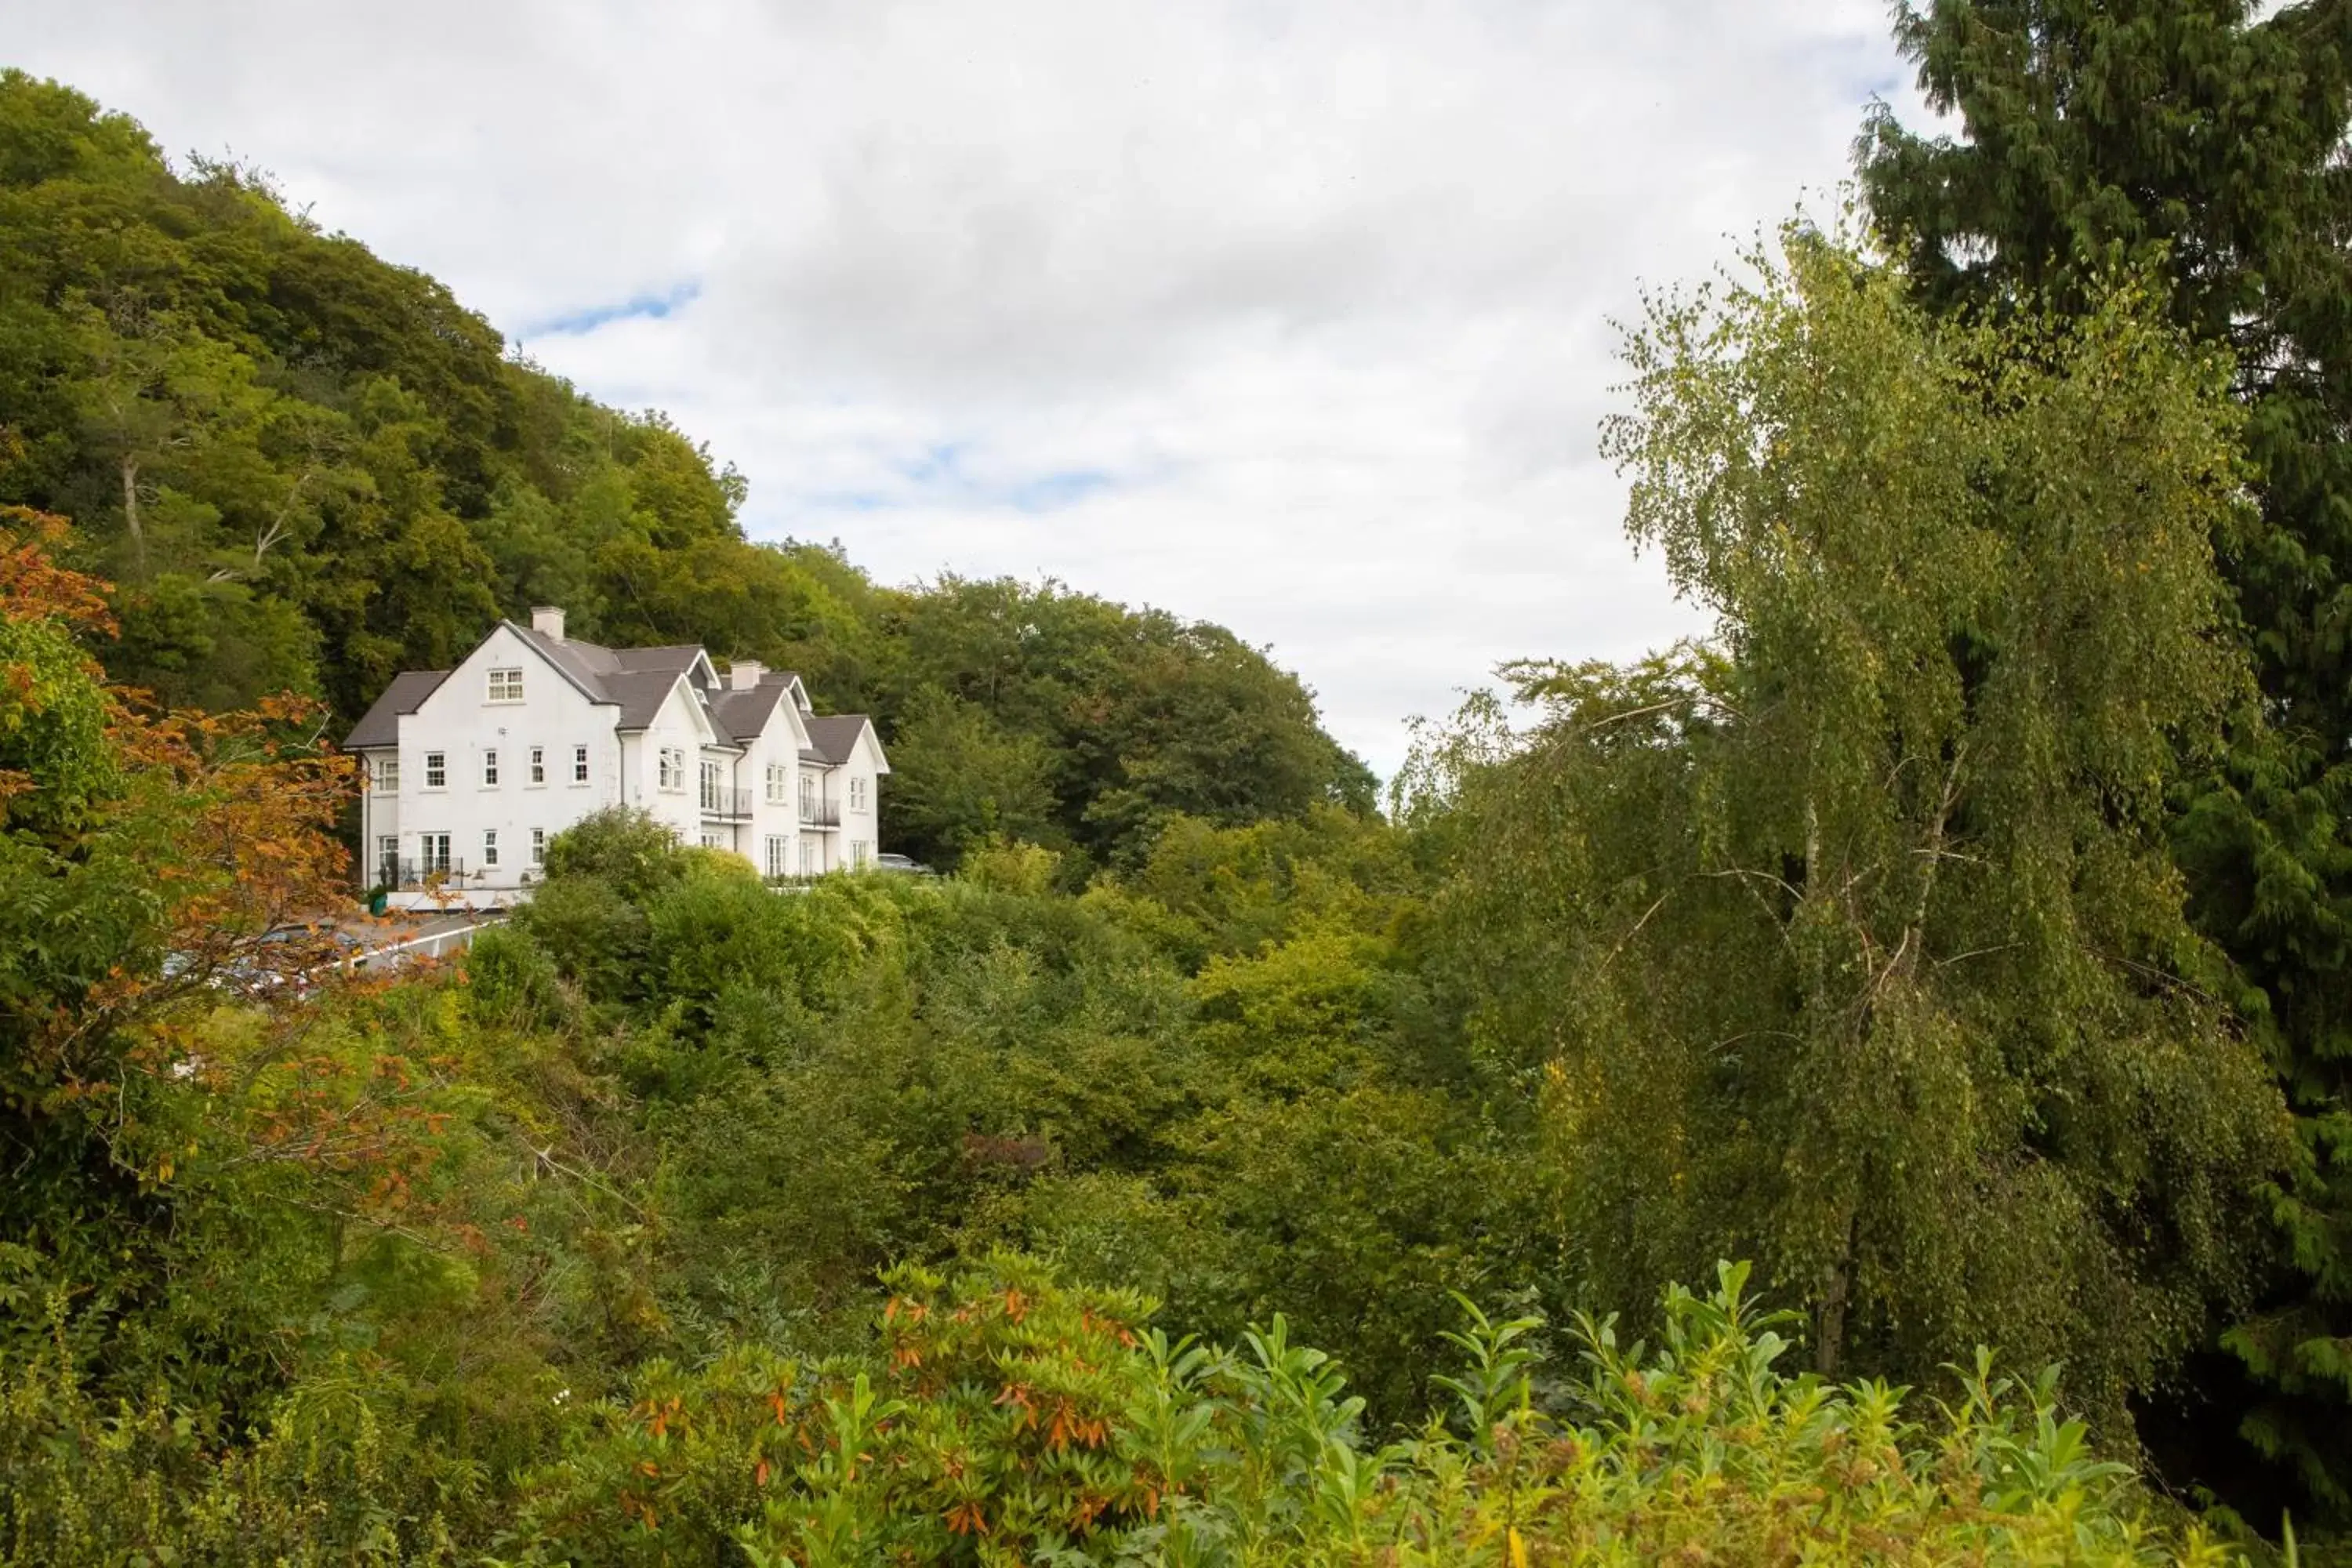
x: 153, y: 867
x: 149, y: 854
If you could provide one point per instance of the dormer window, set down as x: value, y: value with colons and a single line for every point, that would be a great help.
x: 506, y: 685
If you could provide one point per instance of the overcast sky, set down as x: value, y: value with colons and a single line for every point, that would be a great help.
x: 1290, y: 316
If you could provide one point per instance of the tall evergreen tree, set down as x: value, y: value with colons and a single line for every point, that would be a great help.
x: 2191, y: 134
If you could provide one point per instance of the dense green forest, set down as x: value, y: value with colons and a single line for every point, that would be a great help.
x: 1939, y: 968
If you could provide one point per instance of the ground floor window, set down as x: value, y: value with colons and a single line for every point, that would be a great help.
x: 387, y: 859
x: 712, y: 841
x: 860, y: 853
x: 810, y: 865
x: 433, y: 853
x: 490, y: 847
x: 538, y: 845
x: 779, y: 856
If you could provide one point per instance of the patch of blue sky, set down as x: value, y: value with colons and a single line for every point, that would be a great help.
x: 852, y: 500
x: 937, y: 467
x: 640, y: 306
x: 1052, y: 492
x: 937, y: 479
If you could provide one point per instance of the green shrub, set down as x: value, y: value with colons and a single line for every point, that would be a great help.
x: 337, y: 1476
x: 1006, y: 1419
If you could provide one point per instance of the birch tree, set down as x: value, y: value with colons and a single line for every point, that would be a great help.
x: 1846, y: 938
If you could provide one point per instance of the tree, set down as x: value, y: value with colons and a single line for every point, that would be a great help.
x: 1145, y: 716
x: 1848, y: 941
x: 153, y: 864
x: 959, y: 778
x: 2191, y: 137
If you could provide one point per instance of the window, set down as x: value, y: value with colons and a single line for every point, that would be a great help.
x: 579, y: 764
x: 856, y: 794
x: 859, y: 853
x: 388, y: 775
x: 673, y: 769
x: 491, y: 769
x: 539, y: 764
x: 490, y: 847
x: 436, y: 770
x: 777, y: 775
x: 433, y: 853
x: 538, y: 845
x: 713, y: 841
x: 779, y: 856
x: 506, y: 686
x: 808, y: 857
x: 387, y: 859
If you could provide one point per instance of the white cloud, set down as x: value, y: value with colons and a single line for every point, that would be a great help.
x: 1293, y: 316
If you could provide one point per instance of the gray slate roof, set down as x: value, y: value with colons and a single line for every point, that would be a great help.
x: 637, y: 681
x: 380, y: 725
x: 591, y: 665
x: 836, y: 737
x: 640, y: 693
x: 744, y: 714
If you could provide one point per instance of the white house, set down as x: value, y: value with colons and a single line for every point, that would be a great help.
x: 469, y: 772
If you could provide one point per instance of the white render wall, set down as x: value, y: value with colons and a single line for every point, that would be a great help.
x: 680, y: 725
x: 460, y: 721
x: 859, y: 827
x: 780, y: 742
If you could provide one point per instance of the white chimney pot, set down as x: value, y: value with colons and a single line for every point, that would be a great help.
x: 743, y: 673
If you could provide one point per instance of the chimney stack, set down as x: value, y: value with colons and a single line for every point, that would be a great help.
x: 743, y: 673
x: 546, y: 620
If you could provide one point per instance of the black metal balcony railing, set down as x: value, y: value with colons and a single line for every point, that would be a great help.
x: 727, y: 805
x: 410, y: 874
x: 819, y: 814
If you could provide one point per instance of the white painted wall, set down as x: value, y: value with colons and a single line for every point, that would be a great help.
x: 680, y: 726
x: 780, y: 817
x: 860, y: 837
x: 461, y: 723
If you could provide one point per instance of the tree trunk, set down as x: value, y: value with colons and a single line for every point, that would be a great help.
x: 1837, y: 1284
x: 131, y: 512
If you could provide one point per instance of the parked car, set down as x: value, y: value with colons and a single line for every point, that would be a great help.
x: 904, y: 863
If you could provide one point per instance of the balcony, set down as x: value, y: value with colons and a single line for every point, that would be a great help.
x: 720, y: 804
x: 406, y: 874
x: 819, y: 814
